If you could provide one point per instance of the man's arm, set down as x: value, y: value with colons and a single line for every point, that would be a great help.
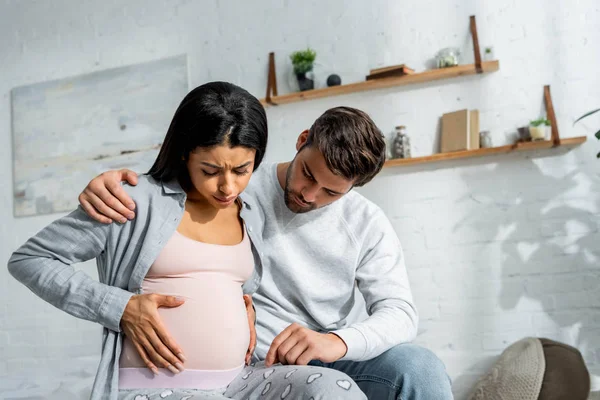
x: 383, y: 281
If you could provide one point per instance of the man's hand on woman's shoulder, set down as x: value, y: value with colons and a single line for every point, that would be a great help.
x: 105, y: 200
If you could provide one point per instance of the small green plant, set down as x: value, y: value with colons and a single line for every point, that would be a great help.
x: 488, y: 50
x: 587, y: 114
x: 539, y: 121
x: 303, y: 60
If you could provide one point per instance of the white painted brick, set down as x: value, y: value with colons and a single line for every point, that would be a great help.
x: 420, y: 277
x: 566, y: 227
x: 413, y: 246
x: 528, y: 304
x: 407, y: 226
x: 476, y: 362
x: 477, y: 256
x: 3, y: 368
x: 458, y: 326
x: 507, y: 322
x: 54, y: 350
x: 27, y: 338
x: 579, y: 208
x: 72, y: 336
x: 16, y: 351
x: 24, y: 364
x: 550, y: 321
x: 542, y: 261
x: 572, y: 244
x: 500, y: 341
x: 427, y: 309
x: 440, y: 341
x: 459, y: 308
x: 452, y: 289
x: 538, y: 285
x: 577, y: 300
x: 421, y: 257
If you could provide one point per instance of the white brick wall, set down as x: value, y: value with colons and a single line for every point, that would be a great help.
x: 497, y: 248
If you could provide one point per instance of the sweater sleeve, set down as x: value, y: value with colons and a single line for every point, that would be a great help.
x: 44, y: 265
x: 382, y: 279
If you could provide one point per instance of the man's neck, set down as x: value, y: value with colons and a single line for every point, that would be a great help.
x: 282, y: 170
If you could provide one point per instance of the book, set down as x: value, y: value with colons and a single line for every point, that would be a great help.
x: 455, y: 131
x: 460, y: 131
x: 386, y: 72
x: 404, y: 67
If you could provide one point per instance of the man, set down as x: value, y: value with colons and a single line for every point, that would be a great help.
x: 320, y: 240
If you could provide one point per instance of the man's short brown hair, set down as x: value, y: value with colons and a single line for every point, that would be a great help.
x: 351, y: 143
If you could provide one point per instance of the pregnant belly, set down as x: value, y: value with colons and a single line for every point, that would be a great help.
x: 211, y: 327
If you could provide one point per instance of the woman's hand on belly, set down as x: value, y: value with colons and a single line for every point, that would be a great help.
x: 252, y: 325
x: 142, y: 325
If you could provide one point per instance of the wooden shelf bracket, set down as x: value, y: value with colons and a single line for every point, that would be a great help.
x: 271, y: 80
x: 551, y: 115
x: 475, y: 38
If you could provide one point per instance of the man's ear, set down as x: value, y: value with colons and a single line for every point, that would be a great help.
x: 302, y: 140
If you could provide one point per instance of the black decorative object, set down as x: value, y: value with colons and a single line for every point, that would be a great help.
x: 304, y: 82
x: 334, y: 80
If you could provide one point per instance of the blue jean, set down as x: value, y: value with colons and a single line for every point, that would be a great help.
x: 404, y: 372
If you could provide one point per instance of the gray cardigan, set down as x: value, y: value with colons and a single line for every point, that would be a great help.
x: 123, y: 253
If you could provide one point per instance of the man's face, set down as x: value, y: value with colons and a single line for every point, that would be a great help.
x: 309, y: 184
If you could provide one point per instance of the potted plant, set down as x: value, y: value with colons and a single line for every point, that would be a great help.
x: 303, y: 62
x: 538, y: 129
x: 585, y: 116
x: 488, y: 53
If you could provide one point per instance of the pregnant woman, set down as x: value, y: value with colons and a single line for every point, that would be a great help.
x: 189, y: 250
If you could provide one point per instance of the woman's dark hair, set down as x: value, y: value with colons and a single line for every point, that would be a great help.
x: 213, y: 114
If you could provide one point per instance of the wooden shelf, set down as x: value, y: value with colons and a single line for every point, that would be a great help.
x: 420, y: 77
x: 524, y: 146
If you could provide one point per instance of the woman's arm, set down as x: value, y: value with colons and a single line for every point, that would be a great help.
x: 44, y: 265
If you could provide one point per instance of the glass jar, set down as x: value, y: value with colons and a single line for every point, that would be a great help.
x: 485, y: 139
x: 400, y: 143
x: 448, y: 57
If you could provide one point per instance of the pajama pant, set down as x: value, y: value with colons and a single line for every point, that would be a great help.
x: 279, y: 382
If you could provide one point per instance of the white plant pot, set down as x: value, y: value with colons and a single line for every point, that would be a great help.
x: 539, y: 132
x: 488, y: 53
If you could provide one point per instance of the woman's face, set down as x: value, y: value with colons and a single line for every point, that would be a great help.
x: 220, y: 173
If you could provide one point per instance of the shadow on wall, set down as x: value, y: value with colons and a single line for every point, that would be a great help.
x: 547, y: 226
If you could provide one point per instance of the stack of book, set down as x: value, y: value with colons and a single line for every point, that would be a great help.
x: 391, y: 71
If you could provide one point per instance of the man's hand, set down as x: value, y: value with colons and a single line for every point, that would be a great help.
x: 141, y: 323
x: 105, y: 200
x: 251, y: 323
x: 299, y: 345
